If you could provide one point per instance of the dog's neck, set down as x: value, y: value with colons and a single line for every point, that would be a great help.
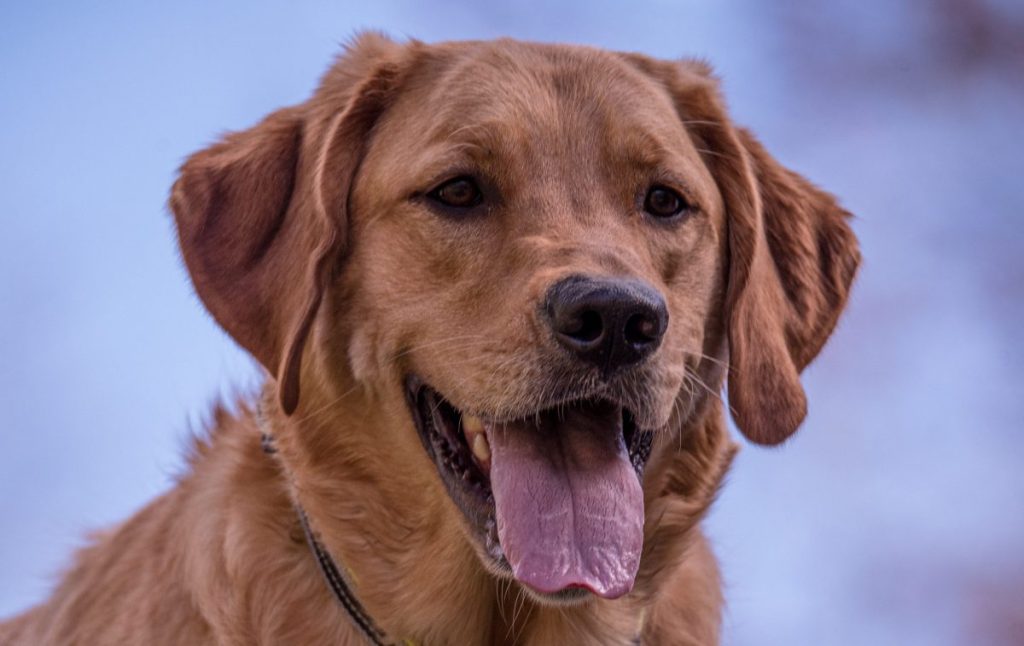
x: 337, y: 580
x: 399, y: 541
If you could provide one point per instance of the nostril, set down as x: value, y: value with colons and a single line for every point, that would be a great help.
x: 581, y: 327
x: 642, y: 328
x: 587, y: 327
x: 645, y: 325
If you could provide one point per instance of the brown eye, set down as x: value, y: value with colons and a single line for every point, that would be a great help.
x: 459, y: 193
x: 663, y: 202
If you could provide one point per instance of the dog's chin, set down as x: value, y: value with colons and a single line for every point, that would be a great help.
x: 460, y: 445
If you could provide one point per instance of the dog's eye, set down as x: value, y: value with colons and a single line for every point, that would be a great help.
x: 459, y: 193
x: 663, y: 202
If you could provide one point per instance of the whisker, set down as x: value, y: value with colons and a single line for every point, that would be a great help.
x: 715, y: 154
x: 702, y: 122
x: 327, y: 406
x: 707, y: 357
x: 717, y: 395
x: 449, y: 340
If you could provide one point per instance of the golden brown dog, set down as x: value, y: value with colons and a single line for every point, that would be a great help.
x: 511, y: 280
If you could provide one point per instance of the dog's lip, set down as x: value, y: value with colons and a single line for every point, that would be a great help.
x: 645, y: 421
x: 439, y: 425
x: 448, y: 450
x: 638, y: 438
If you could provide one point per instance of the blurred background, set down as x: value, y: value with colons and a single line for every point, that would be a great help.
x: 896, y: 516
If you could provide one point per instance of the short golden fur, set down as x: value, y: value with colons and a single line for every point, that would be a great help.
x: 305, y: 239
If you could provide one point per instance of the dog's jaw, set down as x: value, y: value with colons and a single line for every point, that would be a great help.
x: 420, y: 557
x: 488, y: 467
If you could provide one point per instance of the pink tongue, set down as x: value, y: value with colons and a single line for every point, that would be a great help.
x: 570, y: 509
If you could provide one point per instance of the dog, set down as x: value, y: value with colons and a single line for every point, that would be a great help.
x: 497, y: 288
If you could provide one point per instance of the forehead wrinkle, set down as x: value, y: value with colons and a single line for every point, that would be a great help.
x: 644, y: 150
x: 559, y: 116
x: 478, y: 140
x: 630, y: 120
x: 498, y: 90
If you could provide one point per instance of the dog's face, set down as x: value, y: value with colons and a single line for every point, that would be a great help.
x: 536, y: 249
x: 530, y: 231
x: 540, y: 252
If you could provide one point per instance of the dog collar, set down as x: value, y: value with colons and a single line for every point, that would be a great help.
x: 336, y: 581
x: 339, y: 586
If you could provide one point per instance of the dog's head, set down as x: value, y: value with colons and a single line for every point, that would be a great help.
x: 551, y: 256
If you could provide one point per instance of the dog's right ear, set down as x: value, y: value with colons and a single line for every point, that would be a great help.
x: 261, y: 215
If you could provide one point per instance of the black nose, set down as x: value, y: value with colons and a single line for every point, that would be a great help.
x: 611, y: 323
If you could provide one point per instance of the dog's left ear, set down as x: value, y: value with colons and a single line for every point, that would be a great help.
x: 792, y: 257
x: 262, y: 214
x: 792, y: 260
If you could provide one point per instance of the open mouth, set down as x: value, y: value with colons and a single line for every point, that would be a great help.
x: 554, y: 499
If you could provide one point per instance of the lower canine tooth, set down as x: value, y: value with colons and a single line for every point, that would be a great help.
x: 472, y: 424
x: 481, y: 450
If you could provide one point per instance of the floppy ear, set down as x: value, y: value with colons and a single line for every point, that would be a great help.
x: 792, y: 258
x: 261, y: 215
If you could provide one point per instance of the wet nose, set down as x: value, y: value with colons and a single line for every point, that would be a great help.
x: 610, y: 323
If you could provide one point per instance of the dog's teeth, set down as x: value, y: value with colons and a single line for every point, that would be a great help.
x: 481, y: 450
x: 472, y: 424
